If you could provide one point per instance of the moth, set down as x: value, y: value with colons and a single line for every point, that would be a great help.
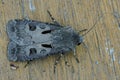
x: 31, y: 39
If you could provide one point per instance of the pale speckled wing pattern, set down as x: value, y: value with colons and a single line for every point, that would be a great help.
x: 30, y: 39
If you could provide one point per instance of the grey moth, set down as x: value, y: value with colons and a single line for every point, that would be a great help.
x: 31, y: 39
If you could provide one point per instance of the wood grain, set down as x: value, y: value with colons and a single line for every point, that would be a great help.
x: 101, y: 61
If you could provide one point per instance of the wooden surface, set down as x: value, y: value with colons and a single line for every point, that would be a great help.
x: 103, y: 42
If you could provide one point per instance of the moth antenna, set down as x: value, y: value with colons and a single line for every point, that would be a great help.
x: 93, y: 26
x: 75, y: 56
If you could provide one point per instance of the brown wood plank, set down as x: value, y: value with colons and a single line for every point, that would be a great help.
x: 103, y: 42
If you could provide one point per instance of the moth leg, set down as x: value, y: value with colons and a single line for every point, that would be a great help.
x: 75, y: 56
x: 82, y: 30
x: 85, y: 46
x: 66, y: 62
x: 56, y: 61
x: 28, y: 62
x: 54, y: 21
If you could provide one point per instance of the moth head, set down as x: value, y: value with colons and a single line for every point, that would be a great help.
x: 76, y: 38
x: 87, y: 31
x: 80, y: 40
